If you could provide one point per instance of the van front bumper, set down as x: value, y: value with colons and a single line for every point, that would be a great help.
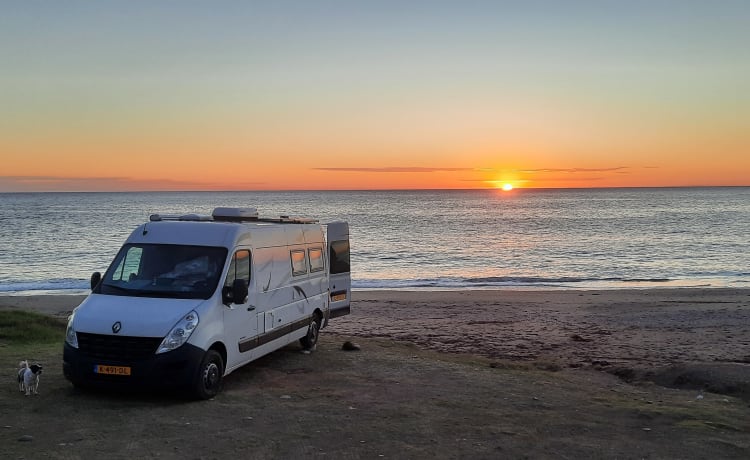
x: 173, y: 369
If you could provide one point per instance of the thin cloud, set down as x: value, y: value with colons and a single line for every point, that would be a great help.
x: 114, y: 183
x: 567, y: 179
x: 395, y: 169
x: 573, y: 170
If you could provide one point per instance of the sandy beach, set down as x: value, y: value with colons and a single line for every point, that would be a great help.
x: 629, y: 329
x: 647, y: 327
x: 448, y: 374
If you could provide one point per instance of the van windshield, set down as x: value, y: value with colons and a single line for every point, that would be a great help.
x: 164, y: 270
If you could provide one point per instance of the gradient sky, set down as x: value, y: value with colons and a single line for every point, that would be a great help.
x: 242, y: 95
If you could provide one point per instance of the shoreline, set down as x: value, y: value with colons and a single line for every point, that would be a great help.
x: 48, y: 300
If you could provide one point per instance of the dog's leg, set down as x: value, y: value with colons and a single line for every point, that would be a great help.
x: 27, y: 375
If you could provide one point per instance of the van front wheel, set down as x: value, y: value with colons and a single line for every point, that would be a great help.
x: 313, y: 332
x: 208, y: 380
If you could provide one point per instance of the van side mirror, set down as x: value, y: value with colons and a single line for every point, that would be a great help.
x: 96, y: 277
x: 239, y: 291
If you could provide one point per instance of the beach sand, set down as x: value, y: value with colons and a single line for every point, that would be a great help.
x: 441, y: 374
x: 628, y: 332
x: 647, y: 327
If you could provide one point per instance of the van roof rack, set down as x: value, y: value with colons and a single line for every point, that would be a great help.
x: 251, y: 214
x: 290, y: 220
x: 232, y: 215
x: 180, y: 217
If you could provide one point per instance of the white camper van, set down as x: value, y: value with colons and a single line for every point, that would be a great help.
x: 189, y: 299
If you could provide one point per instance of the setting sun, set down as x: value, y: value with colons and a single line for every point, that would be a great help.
x: 507, y: 187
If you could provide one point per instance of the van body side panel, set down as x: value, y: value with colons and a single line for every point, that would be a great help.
x: 285, y: 302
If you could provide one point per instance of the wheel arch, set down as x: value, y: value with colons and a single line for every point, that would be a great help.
x: 220, y: 348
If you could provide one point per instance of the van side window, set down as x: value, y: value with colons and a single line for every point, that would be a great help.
x: 316, y: 259
x: 299, y: 262
x: 339, y: 256
x: 239, y: 268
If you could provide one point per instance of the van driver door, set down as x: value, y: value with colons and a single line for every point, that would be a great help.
x: 240, y: 319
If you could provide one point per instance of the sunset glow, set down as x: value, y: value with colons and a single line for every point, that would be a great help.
x: 507, y: 187
x: 356, y: 95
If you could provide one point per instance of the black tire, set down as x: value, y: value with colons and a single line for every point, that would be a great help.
x: 208, y: 381
x: 309, y: 341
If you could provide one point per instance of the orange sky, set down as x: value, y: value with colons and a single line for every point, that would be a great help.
x: 292, y: 97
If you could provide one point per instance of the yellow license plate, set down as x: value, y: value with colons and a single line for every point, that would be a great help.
x: 338, y: 297
x: 111, y: 370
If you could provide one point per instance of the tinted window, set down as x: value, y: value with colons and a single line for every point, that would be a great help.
x: 340, y: 256
x: 239, y: 268
x: 299, y: 263
x: 316, y: 259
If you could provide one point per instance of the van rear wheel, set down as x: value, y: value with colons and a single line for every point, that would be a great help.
x: 210, y: 372
x: 313, y: 332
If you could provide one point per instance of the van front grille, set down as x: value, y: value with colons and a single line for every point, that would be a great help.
x: 117, y: 348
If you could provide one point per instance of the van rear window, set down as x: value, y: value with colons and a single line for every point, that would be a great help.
x: 340, y: 257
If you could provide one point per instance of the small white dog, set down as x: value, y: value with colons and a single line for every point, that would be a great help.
x: 28, y: 377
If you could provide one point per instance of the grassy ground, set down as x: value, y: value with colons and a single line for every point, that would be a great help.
x: 19, y: 327
x: 29, y: 336
x: 388, y: 400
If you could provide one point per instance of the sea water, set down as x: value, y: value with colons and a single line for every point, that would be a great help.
x: 427, y: 239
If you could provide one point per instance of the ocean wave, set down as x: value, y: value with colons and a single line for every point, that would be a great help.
x: 81, y: 286
x: 528, y: 282
x: 565, y: 279
x: 38, y: 286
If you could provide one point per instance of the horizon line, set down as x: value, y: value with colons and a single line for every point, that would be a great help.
x: 378, y: 189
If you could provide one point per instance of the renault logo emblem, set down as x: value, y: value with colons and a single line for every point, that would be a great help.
x: 116, y: 327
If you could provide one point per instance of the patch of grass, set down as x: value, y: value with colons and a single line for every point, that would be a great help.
x: 681, y: 412
x: 18, y: 327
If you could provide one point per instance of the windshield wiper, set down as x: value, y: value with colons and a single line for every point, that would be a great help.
x: 119, y: 288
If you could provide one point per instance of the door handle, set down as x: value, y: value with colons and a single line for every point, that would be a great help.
x: 250, y: 308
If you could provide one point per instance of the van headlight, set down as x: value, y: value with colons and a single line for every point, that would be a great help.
x: 70, y: 334
x: 179, y: 334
